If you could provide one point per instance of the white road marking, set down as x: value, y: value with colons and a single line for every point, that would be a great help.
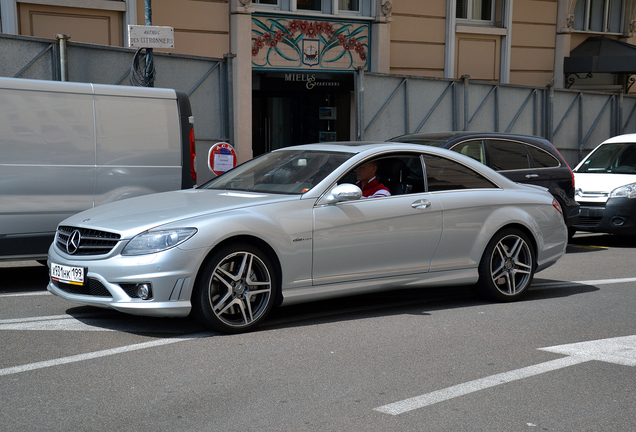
x: 52, y: 322
x: 35, y: 293
x: 584, y: 282
x: 98, y: 354
x: 621, y: 350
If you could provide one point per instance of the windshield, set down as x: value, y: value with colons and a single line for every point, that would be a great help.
x: 618, y: 158
x: 283, y: 172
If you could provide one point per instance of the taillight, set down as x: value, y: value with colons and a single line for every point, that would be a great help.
x: 557, y: 206
x: 193, y: 156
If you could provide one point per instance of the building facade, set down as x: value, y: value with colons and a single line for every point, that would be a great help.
x: 294, y: 61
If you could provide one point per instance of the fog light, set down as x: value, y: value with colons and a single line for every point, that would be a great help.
x: 617, y: 221
x: 144, y: 291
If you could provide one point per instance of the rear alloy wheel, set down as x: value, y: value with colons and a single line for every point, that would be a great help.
x: 507, y: 267
x: 235, y: 291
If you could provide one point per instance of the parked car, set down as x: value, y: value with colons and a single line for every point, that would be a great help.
x: 290, y: 226
x: 521, y: 158
x: 606, y: 187
x: 67, y: 146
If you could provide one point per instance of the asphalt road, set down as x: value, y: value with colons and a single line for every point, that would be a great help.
x: 564, y: 359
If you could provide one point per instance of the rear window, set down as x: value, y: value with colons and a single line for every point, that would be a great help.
x: 542, y: 159
x: 444, y: 174
x: 508, y: 155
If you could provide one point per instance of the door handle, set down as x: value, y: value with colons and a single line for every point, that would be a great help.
x: 421, y: 204
x: 532, y: 175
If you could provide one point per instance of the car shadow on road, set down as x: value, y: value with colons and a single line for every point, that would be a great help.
x: 585, y: 242
x: 23, y: 276
x: 420, y: 302
x: 413, y: 301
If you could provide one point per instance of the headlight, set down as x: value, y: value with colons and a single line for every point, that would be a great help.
x: 157, y: 240
x: 627, y: 191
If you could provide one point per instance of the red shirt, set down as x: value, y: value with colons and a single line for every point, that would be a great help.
x: 374, y: 189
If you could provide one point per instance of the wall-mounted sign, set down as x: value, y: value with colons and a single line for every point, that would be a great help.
x: 221, y: 158
x: 150, y: 36
x: 285, y: 43
x: 310, y: 80
x: 327, y: 113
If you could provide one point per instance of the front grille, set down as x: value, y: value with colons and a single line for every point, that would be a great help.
x: 591, y: 214
x: 92, y: 287
x: 91, y: 242
x: 589, y: 221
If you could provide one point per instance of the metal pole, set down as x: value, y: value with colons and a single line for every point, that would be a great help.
x: 466, y: 78
x: 359, y: 102
x: 62, y: 38
x: 149, y: 66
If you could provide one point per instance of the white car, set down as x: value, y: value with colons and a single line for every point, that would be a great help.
x: 291, y: 226
x: 606, y: 187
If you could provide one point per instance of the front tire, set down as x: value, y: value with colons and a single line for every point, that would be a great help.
x: 235, y: 290
x: 507, y: 266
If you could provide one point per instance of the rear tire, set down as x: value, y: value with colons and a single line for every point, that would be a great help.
x: 507, y: 266
x: 236, y: 289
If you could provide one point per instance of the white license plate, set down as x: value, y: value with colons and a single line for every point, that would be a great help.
x: 67, y: 274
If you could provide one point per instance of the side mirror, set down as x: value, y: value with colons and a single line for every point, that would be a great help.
x: 342, y: 192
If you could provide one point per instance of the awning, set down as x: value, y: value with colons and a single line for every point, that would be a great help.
x: 601, y: 54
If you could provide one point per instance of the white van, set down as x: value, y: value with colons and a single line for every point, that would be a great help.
x: 66, y: 147
x: 606, y: 187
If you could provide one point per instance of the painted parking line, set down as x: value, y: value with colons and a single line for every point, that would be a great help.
x: 584, y: 282
x: 98, y: 354
x: 620, y: 350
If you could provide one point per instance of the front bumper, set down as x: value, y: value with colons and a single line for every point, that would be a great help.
x: 615, y: 216
x: 110, y: 282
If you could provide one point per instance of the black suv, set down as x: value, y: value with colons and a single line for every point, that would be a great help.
x: 521, y: 158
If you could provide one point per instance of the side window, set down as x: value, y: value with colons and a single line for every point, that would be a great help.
x: 542, y: 159
x: 400, y: 173
x: 473, y: 149
x: 444, y: 174
x: 507, y: 155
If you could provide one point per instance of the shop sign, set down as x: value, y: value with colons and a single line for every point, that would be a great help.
x: 287, y: 43
x: 309, y: 80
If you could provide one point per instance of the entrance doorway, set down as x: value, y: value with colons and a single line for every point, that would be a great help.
x: 292, y: 108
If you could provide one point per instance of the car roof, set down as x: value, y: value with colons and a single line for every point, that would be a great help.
x: 367, y: 146
x: 457, y: 135
x: 626, y: 138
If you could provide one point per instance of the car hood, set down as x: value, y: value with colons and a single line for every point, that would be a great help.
x: 602, y: 182
x: 142, y: 213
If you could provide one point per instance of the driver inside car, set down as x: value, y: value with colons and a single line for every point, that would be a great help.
x: 371, y: 187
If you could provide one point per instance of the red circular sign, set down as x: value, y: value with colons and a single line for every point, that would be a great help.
x: 221, y: 158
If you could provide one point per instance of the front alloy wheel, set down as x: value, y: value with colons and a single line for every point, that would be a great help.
x: 236, y: 291
x: 507, y: 267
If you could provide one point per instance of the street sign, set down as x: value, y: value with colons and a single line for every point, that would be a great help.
x: 221, y: 158
x: 150, y: 36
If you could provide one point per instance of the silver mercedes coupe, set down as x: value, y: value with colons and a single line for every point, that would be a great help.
x: 292, y: 226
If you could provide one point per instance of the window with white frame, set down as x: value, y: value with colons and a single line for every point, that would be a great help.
x: 476, y: 11
x: 598, y: 16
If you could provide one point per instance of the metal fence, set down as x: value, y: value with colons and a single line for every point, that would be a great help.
x: 206, y: 80
x: 575, y: 121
